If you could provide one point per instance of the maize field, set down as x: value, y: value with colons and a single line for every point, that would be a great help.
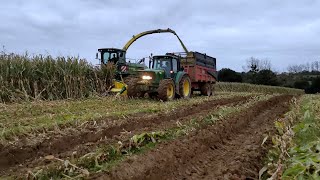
x: 54, y: 124
x: 39, y: 77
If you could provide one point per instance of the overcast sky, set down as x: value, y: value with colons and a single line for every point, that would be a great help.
x: 284, y: 31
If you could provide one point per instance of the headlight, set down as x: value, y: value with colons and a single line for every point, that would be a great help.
x: 146, y: 77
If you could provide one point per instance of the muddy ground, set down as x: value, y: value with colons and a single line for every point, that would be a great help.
x: 229, y: 149
x: 26, y: 155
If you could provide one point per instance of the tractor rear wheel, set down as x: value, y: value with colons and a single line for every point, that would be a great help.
x: 206, y: 89
x: 166, y: 90
x: 185, y: 87
x: 132, y: 87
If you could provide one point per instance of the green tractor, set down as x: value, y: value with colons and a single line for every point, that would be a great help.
x: 165, y: 78
x: 124, y: 68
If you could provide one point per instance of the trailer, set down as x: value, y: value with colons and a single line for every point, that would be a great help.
x: 202, y: 71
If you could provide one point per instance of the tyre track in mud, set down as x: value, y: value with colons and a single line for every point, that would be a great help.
x: 15, y: 156
x: 230, y: 149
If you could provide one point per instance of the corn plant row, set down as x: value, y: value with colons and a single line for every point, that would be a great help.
x: 25, y: 78
x: 43, y: 77
x: 244, y: 87
x: 295, y: 150
x: 104, y: 157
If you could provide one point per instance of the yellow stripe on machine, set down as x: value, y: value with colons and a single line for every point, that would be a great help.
x: 118, y: 87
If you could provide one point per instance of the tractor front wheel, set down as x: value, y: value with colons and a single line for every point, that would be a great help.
x: 132, y: 88
x: 166, y: 90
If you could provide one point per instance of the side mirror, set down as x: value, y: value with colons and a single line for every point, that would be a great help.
x: 97, y: 55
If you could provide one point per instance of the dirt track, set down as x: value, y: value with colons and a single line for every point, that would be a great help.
x: 61, y: 145
x: 230, y: 149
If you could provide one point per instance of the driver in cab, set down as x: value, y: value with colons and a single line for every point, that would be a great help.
x: 114, y: 59
x: 166, y: 67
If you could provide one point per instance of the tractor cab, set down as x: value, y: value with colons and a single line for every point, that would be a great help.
x: 112, y: 55
x: 170, y: 64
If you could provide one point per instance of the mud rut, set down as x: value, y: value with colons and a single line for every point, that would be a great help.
x: 15, y: 157
x: 230, y: 149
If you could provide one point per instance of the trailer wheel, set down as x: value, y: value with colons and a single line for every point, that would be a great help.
x: 213, y: 89
x: 166, y: 90
x: 206, y: 89
x: 185, y: 87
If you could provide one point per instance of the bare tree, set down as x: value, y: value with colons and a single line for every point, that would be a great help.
x: 313, y: 66
x: 295, y: 68
x: 255, y: 64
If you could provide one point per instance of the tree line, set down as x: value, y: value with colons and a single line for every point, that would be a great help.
x: 259, y: 71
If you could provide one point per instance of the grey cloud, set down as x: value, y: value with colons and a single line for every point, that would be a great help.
x: 286, y: 32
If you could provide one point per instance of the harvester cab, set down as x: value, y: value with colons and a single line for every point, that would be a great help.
x: 115, y: 56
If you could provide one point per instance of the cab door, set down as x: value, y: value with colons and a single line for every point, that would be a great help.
x: 174, y: 68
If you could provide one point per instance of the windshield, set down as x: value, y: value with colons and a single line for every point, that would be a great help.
x: 112, y: 57
x: 162, y: 63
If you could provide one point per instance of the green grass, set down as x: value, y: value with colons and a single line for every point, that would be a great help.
x: 23, y: 118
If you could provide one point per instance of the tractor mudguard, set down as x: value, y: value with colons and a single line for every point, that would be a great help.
x: 177, y: 79
x: 214, y: 75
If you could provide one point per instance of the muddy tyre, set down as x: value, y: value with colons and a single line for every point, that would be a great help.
x: 185, y: 87
x: 132, y: 87
x: 206, y: 89
x: 166, y: 90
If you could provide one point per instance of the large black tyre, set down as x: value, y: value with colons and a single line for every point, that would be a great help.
x: 132, y: 87
x: 206, y: 89
x: 185, y: 87
x: 166, y: 90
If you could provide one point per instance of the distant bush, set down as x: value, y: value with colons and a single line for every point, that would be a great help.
x: 301, y: 84
x: 266, y: 77
x: 228, y: 75
x: 314, y: 87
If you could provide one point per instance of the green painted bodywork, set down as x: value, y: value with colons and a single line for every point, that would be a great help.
x: 134, y: 68
x: 157, y: 76
x: 179, y: 76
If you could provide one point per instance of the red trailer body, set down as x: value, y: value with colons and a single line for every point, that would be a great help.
x: 202, y: 70
x: 199, y: 75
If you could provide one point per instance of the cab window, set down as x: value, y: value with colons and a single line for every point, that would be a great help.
x: 106, y: 57
x: 174, y: 65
